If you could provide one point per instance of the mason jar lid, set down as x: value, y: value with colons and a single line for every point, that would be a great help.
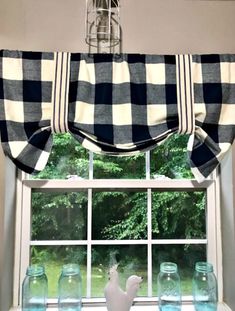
x: 70, y: 269
x: 168, y: 267
x: 35, y: 270
x: 203, y: 266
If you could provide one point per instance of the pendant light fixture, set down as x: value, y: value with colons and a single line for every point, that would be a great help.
x: 103, y: 31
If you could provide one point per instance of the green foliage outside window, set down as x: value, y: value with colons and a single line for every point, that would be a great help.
x: 117, y: 215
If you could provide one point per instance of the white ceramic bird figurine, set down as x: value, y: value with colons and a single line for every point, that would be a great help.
x: 116, y: 298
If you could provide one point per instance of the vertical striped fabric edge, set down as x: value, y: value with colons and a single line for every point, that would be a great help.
x: 185, y: 97
x: 60, y: 92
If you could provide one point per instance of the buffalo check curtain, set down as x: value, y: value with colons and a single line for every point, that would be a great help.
x: 116, y: 104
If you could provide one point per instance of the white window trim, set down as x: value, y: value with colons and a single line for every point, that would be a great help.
x: 185, y: 307
x: 228, y: 224
x: 23, y: 236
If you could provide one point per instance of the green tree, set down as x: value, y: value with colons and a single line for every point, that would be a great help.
x: 118, y: 215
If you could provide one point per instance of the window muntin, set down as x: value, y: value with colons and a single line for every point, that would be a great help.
x: 148, y: 189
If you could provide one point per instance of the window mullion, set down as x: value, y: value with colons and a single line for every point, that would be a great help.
x: 122, y: 185
x: 89, y: 227
x: 219, y: 261
x: 18, y: 240
x: 25, y: 232
x: 147, y: 165
x: 149, y: 212
x: 149, y: 225
x: 89, y: 238
x: 91, y: 169
x: 211, y: 226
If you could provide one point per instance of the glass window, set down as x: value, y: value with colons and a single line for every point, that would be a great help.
x: 59, y: 216
x: 98, y: 211
x: 54, y: 257
x: 185, y: 256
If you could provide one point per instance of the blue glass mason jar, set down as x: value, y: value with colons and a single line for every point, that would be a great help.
x: 70, y: 288
x: 169, y: 290
x: 205, y: 292
x: 35, y: 289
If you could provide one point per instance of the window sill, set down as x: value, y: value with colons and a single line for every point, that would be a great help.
x: 185, y: 307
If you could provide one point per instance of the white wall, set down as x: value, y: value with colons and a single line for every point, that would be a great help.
x: 149, y: 26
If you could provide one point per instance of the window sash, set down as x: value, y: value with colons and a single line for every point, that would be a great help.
x: 24, y: 242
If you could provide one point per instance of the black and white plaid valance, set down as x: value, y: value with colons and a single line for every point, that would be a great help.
x: 116, y: 104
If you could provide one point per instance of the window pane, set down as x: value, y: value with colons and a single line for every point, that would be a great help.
x: 185, y: 256
x: 131, y: 259
x: 59, y: 216
x: 119, y: 215
x: 170, y: 159
x: 67, y: 160
x: 54, y: 257
x: 178, y: 215
x: 119, y: 167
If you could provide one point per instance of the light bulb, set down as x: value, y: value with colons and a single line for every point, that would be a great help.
x: 103, y: 28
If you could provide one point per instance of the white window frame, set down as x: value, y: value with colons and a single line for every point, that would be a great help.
x: 23, y: 222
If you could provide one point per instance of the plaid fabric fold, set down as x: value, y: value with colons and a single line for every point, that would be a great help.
x: 25, y: 107
x: 214, y: 109
x: 116, y: 104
